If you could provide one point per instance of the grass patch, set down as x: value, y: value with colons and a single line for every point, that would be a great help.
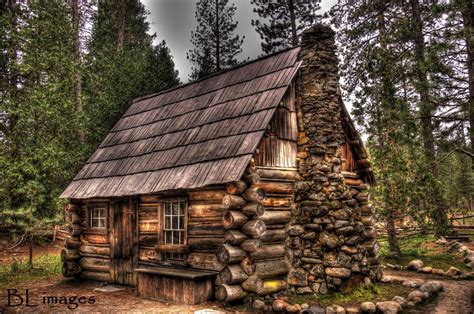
x: 422, y: 247
x: 378, y: 292
x: 18, y: 272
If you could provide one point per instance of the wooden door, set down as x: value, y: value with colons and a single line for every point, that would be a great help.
x: 124, y: 243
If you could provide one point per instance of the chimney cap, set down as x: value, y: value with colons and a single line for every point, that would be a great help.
x: 318, y: 31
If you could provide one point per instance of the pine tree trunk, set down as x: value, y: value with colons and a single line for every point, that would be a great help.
x: 294, y: 35
x: 30, y: 251
x: 218, y: 53
x: 468, y: 23
x: 392, y: 237
x: 121, y: 24
x: 76, y: 19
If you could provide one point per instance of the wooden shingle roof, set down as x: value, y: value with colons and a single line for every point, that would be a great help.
x: 191, y: 136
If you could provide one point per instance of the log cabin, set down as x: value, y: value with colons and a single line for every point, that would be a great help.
x: 247, y: 183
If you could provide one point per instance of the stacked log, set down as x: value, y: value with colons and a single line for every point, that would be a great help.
x: 70, y: 255
x: 244, y: 230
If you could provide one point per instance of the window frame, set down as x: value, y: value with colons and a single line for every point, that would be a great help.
x: 90, y: 217
x: 164, y: 248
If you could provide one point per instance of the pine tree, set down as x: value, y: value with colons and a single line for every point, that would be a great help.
x: 215, y: 45
x: 121, y: 65
x: 282, y: 22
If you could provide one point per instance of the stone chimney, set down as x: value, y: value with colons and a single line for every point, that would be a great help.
x: 326, y: 234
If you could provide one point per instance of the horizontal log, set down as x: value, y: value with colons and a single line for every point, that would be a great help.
x: 254, y: 194
x: 204, y: 261
x: 232, y: 274
x: 99, y: 276
x: 75, y: 230
x: 236, y: 187
x: 269, y: 251
x: 234, y: 219
x: 72, y: 243
x: 95, y: 264
x: 272, y: 187
x: 252, y: 178
x: 233, y: 202
x: 252, y: 284
x: 69, y: 255
x: 251, y: 245
x: 71, y: 269
x: 277, y: 174
x: 73, y: 207
x: 234, y: 237
x: 74, y: 218
x: 247, y: 265
x: 149, y: 198
x: 229, y: 293
x: 255, y: 228
x: 253, y: 209
x: 206, y: 195
x: 271, y: 269
x: 276, y: 217
x: 148, y: 226
x: 148, y: 255
x: 93, y: 251
x: 148, y: 240
x: 94, y: 238
x: 271, y: 201
x: 273, y: 235
x: 206, y: 211
x: 272, y: 286
x: 211, y: 227
x: 147, y: 213
x: 205, y: 243
x: 229, y: 254
x: 173, y: 248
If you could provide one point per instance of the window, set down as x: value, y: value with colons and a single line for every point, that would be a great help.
x: 174, y: 229
x: 98, y: 218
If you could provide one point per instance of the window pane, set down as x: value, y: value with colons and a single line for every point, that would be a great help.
x: 167, y: 209
x: 175, y: 222
x: 167, y: 222
x: 182, y: 205
x: 175, y: 208
x: 181, y: 223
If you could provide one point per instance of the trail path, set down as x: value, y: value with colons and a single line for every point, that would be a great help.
x: 456, y: 296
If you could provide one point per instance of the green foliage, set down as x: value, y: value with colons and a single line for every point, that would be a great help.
x: 215, y: 44
x: 281, y: 23
x: 19, y: 272
x: 422, y: 247
x: 39, y: 149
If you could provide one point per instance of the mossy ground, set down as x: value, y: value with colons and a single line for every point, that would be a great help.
x: 425, y: 248
x: 19, y: 272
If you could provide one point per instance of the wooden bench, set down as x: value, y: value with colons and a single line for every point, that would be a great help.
x: 180, y: 285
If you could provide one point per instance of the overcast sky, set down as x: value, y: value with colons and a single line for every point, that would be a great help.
x: 173, y: 20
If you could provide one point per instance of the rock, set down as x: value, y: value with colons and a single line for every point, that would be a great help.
x: 340, y: 214
x: 437, y: 271
x: 367, y: 282
x: 353, y: 309
x: 298, y: 277
x: 304, y: 290
x: 331, y: 241
x: 323, y: 288
x: 391, y: 279
x: 258, y: 305
x: 305, y: 306
x: 431, y: 287
x: 335, y: 309
x: 453, y: 271
x: 314, y: 309
x: 396, y: 267
x: 367, y: 307
x: 400, y: 300
x: 415, y: 264
x: 388, y: 307
x: 338, y: 272
x: 426, y: 269
x: 291, y: 309
x: 416, y: 296
x: 349, y: 249
x: 412, y: 283
x: 295, y: 230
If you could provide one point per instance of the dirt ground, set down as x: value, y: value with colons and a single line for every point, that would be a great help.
x: 456, y: 298
x: 8, y: 255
